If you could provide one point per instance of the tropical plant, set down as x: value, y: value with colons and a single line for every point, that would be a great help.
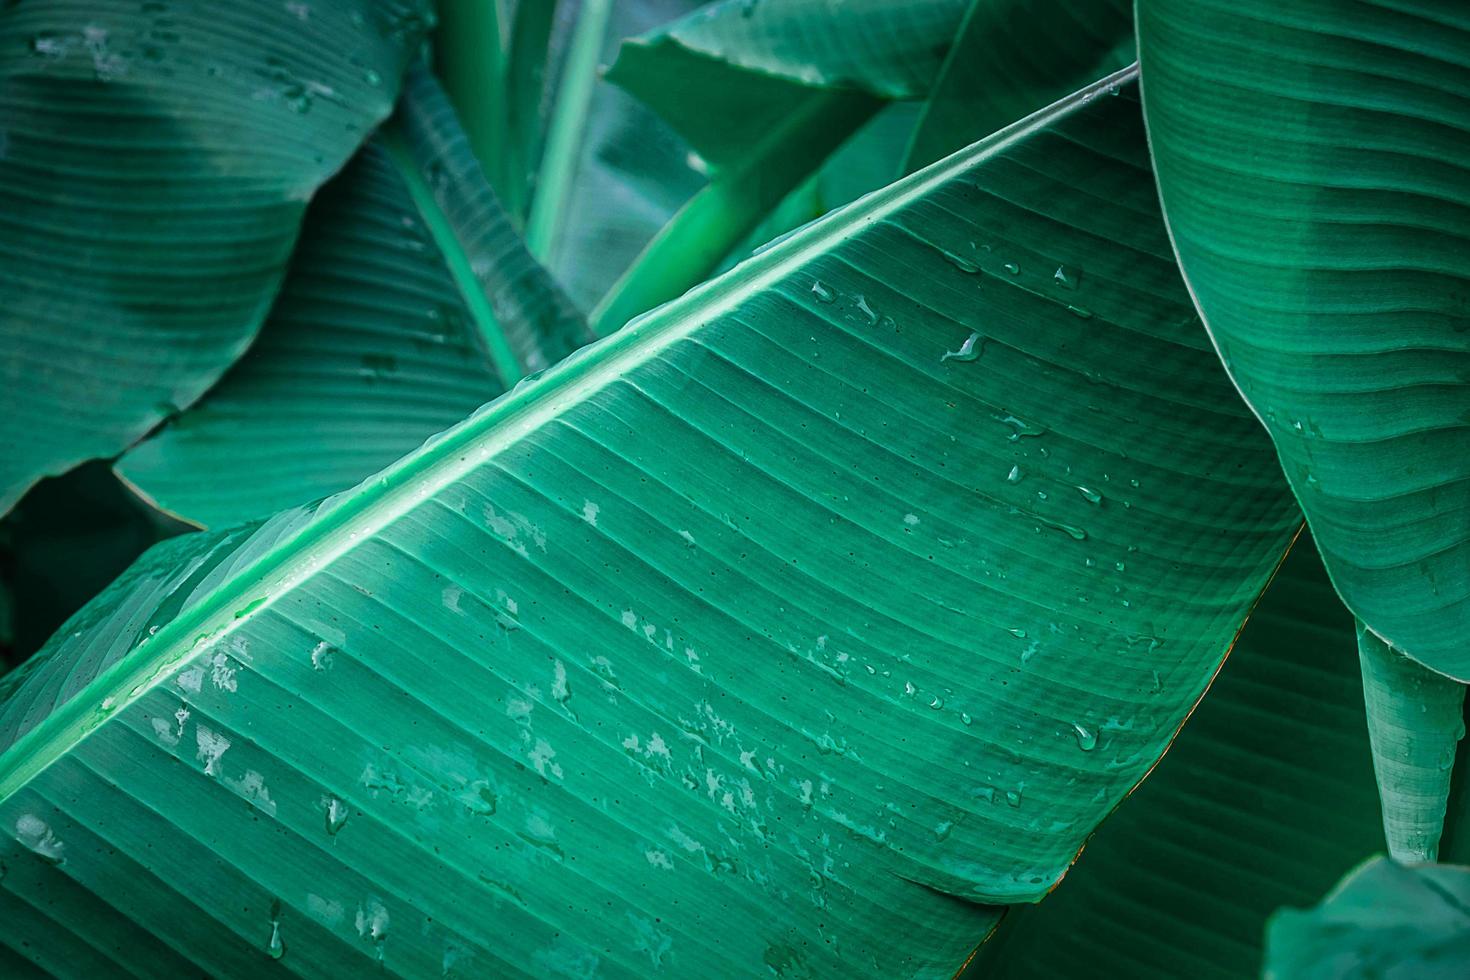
x: 967, y: 372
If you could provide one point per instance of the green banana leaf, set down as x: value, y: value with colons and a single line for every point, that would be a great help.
x: 1261, y: 802
x: 1416, y: 721
x: 407, y: 307
x: 1310, y: 160
x: 1384, y: 920
x: 1011, y: 57
x: 156, y: 161
x: 690, y: 625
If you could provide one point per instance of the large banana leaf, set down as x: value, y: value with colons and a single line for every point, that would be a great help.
x: 1384, y: 920
x: 692, y: 624
x: 154, y: 165
x: 1311, y: 160
x: 407, y: 306
x: 1261, y: 802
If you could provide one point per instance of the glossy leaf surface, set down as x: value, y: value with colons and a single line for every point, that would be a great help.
x: 1384, y: 920
x: 1311, y: 160
x: 1416, y: 720
x: 1263, y: 799
x: 155, y: 163
x: 402, y: 313
x: 689, y: 622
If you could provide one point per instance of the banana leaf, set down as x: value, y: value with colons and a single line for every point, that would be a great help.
x: 407, y: 307
x: 1384, y: 920
x: 1264, y: 798
x: 690, y: 624
x: 155, y: 163
x: 1310, y: 161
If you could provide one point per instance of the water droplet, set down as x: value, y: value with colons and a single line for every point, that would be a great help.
x: 1066, y: 277
x: 37, y: 837
x: 1080, y: 311
x: 276, y: 948
x: 1086, y: 739
x: 960, y: 262
x: 970, y: 350
x: 336, y: 815
x: 1013, y: 269
x: 1015, y: 475
x: 943, y: 829
x: 965, y: 718
x: 373, y: 78
x: 866, y: 310
x: 1120, y: 566
x: 1021, y: 426
x: 1013, y: 797
x: 322, y: 655
x: 1017, y: 632
x: 936, y: 702
x: 1090, y: 495
x: 822, y: 292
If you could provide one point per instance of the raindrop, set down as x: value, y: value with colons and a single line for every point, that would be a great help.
x: 959, y: 262
x: 822, y: 292
x: 336, y: 815
x: 1013, y: 269
x: 1066, y: 277
x: 1086, y: 739
x: 1090, y: 495
x: 1080, y: 311
x: 322, y: 655
x: 276, y: 948
x: 1015, y: 475
x: 943, y: 829
x: 1021, y: 426
x: 970, y: 350
x: 1013, y: 797
x: 1017, y: 632
x: 866, y: 310
x: 936, y: 703
x: 38, y: 838
x: 965, y: 718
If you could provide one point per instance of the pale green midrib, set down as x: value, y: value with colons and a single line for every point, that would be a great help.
x: 359, y: 514
x: 492, y: 338
x: 562, y: 151
x: 750, y: 166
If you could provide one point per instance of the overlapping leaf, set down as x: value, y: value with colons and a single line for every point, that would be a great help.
x: 1384, y: 920
x: 1311, y: 159
x: 154, y: 164
x: 407, y: 307
x: 1262, y: 801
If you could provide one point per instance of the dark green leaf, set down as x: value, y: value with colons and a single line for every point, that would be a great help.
x: 403, y: 312
x: 1311, y: 160
x: 1384, y: 920
x: 1263, y: 799
x: 155, y: 159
